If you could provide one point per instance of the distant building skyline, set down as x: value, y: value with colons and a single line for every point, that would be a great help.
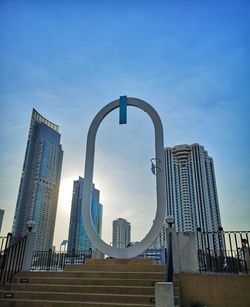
x: 121, y: 236
x: 38, y: 191
x: 77, y: 236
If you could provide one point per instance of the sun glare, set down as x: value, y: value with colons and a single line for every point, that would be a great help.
x: 65, y: 194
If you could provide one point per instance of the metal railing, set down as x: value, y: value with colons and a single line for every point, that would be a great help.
x: 224, y: 251
x: 11, y: 258
x: 56, y: 261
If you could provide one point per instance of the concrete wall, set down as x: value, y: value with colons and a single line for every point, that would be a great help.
x: 215, y: 290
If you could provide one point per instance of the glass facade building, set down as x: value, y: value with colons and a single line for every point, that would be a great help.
x: 77, y: 238
x: 40, y: 179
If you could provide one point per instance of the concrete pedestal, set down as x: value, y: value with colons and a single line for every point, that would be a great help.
x: 184, y: 251
x: 27, y: 259
x: 164, y: 294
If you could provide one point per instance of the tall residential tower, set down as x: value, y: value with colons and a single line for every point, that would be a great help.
x: 78, y: 239
x: 40, y: 179
x: 191, y: 188
x: 121, y: 233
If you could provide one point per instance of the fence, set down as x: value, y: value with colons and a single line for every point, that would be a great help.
x: 55, y: 261
x: 11, y: 257
x: 223, y: 251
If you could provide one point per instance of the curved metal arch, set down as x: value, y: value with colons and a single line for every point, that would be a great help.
x: 158, y: 222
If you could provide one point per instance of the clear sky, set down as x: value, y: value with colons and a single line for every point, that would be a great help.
x: 188, y: 59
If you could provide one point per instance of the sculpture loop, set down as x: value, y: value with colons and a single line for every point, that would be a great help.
x: 140, y: 247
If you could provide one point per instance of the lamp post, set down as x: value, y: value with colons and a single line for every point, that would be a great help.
x: 169, y: 264
x: 170, y: 220
x: 30, y: 225
x: 29, y: 246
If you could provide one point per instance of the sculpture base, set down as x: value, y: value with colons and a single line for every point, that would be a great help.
x: 110, y: 261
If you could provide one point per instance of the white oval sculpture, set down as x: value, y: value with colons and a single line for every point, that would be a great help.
x: 158, y: 222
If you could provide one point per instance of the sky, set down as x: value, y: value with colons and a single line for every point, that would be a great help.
x: 68, y: 59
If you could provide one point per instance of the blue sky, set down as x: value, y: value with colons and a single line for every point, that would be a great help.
x: 189, y: 59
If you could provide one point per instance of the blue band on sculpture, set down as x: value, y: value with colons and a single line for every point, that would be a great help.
x: 123, y: 110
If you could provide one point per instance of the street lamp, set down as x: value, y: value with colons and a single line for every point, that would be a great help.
x: 169, y: 264
x: 170, y: 220
x: 64, y: 243
x: 30, y: 224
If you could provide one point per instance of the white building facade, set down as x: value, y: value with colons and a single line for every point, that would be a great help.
x: 121, y: 233
x: 191, y: 190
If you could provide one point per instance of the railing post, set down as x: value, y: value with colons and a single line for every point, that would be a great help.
x: 29, y: 246
x: 169, y: 264
x: 73, y: 256
x: 172, y: 261
x: 8, y: 240
x: 49, y: 260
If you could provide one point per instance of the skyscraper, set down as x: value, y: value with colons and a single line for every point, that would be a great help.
x: 121, y: 233
x: 78, y: 239
x: 191, y: 188
x: 40, y: 179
